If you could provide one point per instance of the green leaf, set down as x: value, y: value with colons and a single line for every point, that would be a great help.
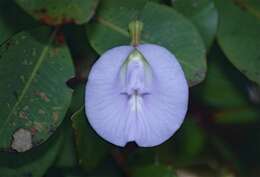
x: 78, y: 99
x: 239, y: 38
x: 162, y: 26
x: 33, y: 93
x: 226, y: 153
x: 183, y: 149
x: 225, y: 90
x: 224, y: 86
x: 12, y: 20
x: 91, y: 148
x: 141, y: 157
x: 75, y: 171
x: 203, y: 15
x: 249, y: 149
x: 111, y: 23
x: 61, y: 11
x: 33, y: 163
x: 67, y: 153
x: 166, y: 27
x: 190, y: 146
x: 252, y: 6
x: 107, y: 169
x: 154, y: 171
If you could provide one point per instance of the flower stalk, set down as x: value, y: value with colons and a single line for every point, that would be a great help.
x: 135, y: 30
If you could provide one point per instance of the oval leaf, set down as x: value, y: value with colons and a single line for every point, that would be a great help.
x: 59, y: 12
x: 239, y: 37
x: 252, y: 6
x: 203, y: 15
x: 162, y: 25
x: 112, y: 24
x: 90, y: 147
x: 222, y: 76
x: 12, y: 20
x: 34, y: 96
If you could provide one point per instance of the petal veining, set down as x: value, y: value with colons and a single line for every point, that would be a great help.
x: 136, y: 94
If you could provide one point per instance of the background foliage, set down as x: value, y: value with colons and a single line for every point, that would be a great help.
x: 48, y: 47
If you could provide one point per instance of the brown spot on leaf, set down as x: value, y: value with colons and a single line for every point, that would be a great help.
x: 33, y: 130
x: 23, y: 115
x: 66, y: 20
x: 41, y: 111
x: 59, y: 38
x: 55, y: 116
x: 240, y: 4
x: 55, y: 51
x: 38, y: 126
x: 48, y: 20
x: 54, y: 21
x: 43, y: 96
x: 22, y: 140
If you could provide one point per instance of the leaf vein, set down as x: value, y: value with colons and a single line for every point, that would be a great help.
x: 28, y: 83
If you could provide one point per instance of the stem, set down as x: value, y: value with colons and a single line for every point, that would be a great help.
x: 135, y: 29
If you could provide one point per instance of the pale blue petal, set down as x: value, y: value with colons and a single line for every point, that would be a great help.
x: 166, y: 106
x: 155, y: 117
x: 106, y: 108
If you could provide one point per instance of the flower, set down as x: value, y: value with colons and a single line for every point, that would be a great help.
x: 136, y: 93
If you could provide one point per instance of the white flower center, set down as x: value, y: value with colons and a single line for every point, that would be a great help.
x: 136, y: 77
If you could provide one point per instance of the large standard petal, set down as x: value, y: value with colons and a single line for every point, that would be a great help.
x: 147, y: 119
x: 106, y: 108
x: 165, y: 107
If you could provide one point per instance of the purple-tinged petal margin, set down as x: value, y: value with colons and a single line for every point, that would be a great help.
x: 158, y: 114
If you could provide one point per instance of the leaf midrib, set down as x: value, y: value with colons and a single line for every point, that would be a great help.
x: 28, y: 83
x: 251, y: 10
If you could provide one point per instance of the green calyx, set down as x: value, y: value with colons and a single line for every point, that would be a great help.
x: 135, y: 55
x: 135, y: 29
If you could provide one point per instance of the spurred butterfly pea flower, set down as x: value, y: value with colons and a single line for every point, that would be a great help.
x: 136, y: 93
